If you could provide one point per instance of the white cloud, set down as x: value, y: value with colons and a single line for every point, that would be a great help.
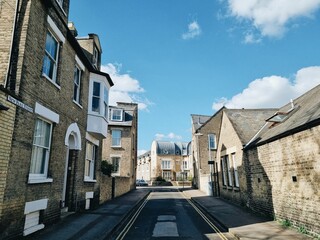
x: 194, y: 30
x: 271, y: 17
x: 251, y: 38
x: 126, y: 88
x: 140, y: 152
x: 170, y: 136
x: 272, y: 91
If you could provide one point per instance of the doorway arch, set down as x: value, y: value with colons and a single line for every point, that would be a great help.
x: 73, y: 146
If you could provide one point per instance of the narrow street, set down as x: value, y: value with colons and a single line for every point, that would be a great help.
x: 168, y: 214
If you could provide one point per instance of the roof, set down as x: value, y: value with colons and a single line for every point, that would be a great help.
x: 247, y: 122
x: 198, y: 120
x: 304, y: 115
x: 171, y: 148
x: 146, y: 154
x: 129, y: 110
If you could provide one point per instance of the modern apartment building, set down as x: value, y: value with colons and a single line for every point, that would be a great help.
x: 171, y: 161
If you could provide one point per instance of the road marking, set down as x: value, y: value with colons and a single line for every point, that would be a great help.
x: 166, y: 218
x: 125, y: 230
x: 165, y: 229
x: 214, y: 227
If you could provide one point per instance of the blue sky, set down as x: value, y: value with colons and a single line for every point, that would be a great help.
x: 181, y: 57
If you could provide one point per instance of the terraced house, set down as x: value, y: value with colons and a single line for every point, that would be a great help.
x: 53, y: 116
x: 120, y: 147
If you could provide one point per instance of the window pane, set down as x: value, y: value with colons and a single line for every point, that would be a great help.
x: 38, y: 160
x: 48, y: 66
x: 51, y: 46
x: 96, y: 89
x: 76, y: 89
x: 40, y: 148
x: 116, y: 137
x: 95, y: 104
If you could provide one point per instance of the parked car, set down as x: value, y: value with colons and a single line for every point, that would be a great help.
x: 141, y: 182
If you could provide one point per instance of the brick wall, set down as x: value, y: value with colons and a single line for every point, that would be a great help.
x: 32, y: 87
x: 6, y: 28
x: 228, y: 144
x: 285, y: 178
x: 122, y: 186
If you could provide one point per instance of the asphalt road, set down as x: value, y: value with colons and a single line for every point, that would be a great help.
x: 167, y: 214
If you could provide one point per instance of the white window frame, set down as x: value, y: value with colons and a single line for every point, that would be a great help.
x: 166, y: 175
x: 58, y: 36
x: 224, y: 174
x: 228, y: 170
x: 41, y: 177
x: 103, y: 98
x: 166, y: 164
x: 235, y: 170
x: 77, y: 85
x: 81, y: 68
x: 115, y: 143
x: 89, y: 174
x: 105, y: 101
x: 116, y: 114
x: 212, y: 142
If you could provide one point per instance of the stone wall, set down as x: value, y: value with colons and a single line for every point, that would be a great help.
x: 285, y: 179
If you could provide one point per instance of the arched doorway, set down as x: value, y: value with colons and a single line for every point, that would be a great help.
x: 73, y: 145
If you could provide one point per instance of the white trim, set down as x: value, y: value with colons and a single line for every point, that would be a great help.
x: 79, y: 63
x: 46, y: 113
x: 33, y: 229
x: 92, y: 139
x: 33, y: 180
x: 73, y: 130
x: 56, y: 30
x: 89, y: 195
x: 35, y: 206
x: 229, y: 151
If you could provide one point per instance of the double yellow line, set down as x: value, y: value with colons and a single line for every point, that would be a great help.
x: 126, y: 229
x: 214, y: 227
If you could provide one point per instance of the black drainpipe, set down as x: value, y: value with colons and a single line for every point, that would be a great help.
x: 9, y: 83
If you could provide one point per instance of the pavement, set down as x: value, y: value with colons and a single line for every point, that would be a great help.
x: 106, y: 221
x: 241, y: 223
x: 101, y: 223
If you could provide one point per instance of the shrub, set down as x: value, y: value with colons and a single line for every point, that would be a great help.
x: 106, y: 168
x: 160, y: 179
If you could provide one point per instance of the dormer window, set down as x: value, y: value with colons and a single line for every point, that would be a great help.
x: 116, y: 115
x: 278, y: 117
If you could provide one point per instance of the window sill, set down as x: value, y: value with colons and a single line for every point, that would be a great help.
x: 89, y: 180
x: 50, y: 80
x: 116, y: 147
x: 78, y: 104
x: 39, y: 180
